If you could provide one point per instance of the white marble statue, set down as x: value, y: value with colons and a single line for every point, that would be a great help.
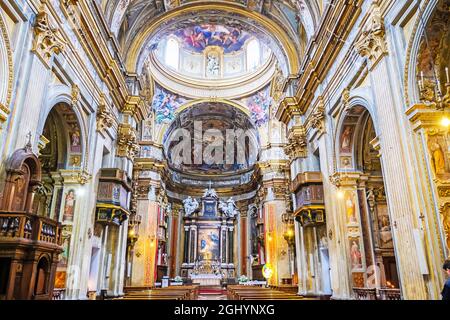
x: 228, y: 208
x: 190, y: 205
x: 210, y: 193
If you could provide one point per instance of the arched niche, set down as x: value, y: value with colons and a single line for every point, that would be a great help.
x: 23, y: 176
x: 355, y: 132
x: 221, y: 125
x: 427, y: 57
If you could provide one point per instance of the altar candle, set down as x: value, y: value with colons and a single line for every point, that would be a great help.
x: 446, y: 73
x: 421, y: 76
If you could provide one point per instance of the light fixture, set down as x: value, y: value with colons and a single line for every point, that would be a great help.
x: 445, y: 122
x: 267, y: 271
x: 340, y: 194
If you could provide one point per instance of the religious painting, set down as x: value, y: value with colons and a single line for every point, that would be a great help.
x: 60, y: 279
x: 445, y: 212
x: 355, y: 253
x: 69, y: 206
x: 350, y: 207
x: 165, y: 103
x: 259, y: 106
x: 64, y: 256
x: 439, y: 148
x: 75, y: 144
x: 197, y: 38
x: 347, y: 139
x: 209, y: 240
x: 209, y: 140
x: 146, y: 130
x: 384, y: 226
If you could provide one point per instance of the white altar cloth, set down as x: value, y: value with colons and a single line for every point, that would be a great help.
x: 206, y: 279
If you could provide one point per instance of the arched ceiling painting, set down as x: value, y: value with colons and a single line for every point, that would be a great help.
x: 128, y: 17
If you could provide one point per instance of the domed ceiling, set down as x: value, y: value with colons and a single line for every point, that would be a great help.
x: 211, y: 51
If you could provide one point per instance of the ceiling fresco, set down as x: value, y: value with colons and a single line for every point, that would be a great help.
x: 217, y: 118
x: 197, y: 38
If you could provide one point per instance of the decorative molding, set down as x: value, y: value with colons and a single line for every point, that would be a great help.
x: 317, y: 119
x: 297, y: 143
x: 372, y: 41
x: 105, y: 118
x: 75, y: 94
x: 47, y: 39
x: 289, y: 107
x: 126, y: 141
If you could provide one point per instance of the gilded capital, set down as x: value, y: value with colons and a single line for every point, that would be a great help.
x: 47, y: 39
x: 105, y: 118
x: 318, y: 116
x: 126, y: 141
x: 297, y: 143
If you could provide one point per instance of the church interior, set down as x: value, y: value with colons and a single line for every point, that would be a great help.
x: 230, y: 149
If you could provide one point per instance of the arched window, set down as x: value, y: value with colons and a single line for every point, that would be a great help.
x: 172, y: 54
x: 253, y: 55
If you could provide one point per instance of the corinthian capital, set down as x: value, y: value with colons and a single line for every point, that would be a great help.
x: 372, y: 42
x: 47, y: 39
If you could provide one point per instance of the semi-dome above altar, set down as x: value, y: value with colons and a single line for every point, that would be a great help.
x: 222, y: 140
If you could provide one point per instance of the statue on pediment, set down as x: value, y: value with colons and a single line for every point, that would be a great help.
x: 190, y: 206
x: 228, y: 208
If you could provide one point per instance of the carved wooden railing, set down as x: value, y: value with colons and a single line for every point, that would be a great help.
x: 377, y: 294
x: 58, y: 294
x: 365, y: 293
x: 390, y: 294
x: 23, y: 225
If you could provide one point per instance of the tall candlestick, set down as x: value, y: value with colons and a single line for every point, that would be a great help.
x: 446, y: 73
x: 421, y: 76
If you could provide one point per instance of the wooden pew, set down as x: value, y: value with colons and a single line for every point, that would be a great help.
x: 173, y: 293
x: 259, y: 293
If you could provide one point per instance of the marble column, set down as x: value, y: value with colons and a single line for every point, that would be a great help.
x: 338, y: 248
x: 395, y: 166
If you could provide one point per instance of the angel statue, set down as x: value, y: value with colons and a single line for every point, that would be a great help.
x: 190, y: 205
x: 228, y: 208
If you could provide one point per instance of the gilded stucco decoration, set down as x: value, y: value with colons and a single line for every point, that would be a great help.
x: 105, y: 118
x: 127, y: 141
x: 297, y: 143
x: 47, y: 38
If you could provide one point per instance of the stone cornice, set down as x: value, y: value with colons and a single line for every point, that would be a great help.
x: 325, y: 48
x: 288, y: 108
x: 423, y: 117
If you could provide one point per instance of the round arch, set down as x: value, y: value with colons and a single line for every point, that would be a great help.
x: 352, y: 123
x: 411, y: 89
x: 287, y: 46
x: 61, y: 95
